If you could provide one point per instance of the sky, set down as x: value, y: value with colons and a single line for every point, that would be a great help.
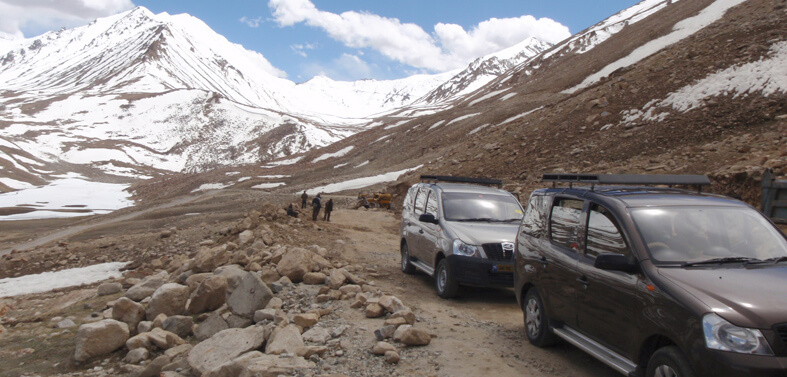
x: 348, y: 39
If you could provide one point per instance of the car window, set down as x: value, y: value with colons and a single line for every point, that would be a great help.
x: 420, y: 201
x: 431, y: 203
x: 604, y: 234
x: 467, y: 206
x: 564, y: 222
x: 534, y: 221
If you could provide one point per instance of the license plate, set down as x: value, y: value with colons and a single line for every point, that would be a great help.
x: 503, y: 268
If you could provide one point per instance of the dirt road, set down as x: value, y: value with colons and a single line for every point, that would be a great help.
x: 479, y: 333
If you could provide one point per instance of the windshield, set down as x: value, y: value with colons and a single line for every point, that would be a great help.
x: 696, y: 234
x: 480, y: 207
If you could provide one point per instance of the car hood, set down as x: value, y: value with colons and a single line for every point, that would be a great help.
x: 748, y: 297
x: 481, y: 233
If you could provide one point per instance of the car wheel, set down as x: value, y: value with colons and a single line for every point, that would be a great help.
x: 407, y: 267
x: 668, y: 362
x: 446, y: 285
x: 536, y: 320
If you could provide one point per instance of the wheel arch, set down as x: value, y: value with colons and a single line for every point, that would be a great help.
x: 649, y: 346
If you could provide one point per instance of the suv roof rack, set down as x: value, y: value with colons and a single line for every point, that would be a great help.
x: 448, y: 178
x: 628, y: 179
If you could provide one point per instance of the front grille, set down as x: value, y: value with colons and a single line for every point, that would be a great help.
x: 780, y: 346
x: 495, y: 251
x: 781, y: 332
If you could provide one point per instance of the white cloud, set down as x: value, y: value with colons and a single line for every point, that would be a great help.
x: 16, y: 16
x: 449, y: 48
x: 300, y: 49
x: 252, y: 22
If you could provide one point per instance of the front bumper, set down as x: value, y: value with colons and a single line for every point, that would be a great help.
x: 730, y: 364
x: 481, y: 272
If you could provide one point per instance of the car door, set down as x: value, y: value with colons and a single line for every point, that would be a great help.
x: 608, y: 301
x: 557, y: 284
x: 412, y: 227
x: 431, y: 235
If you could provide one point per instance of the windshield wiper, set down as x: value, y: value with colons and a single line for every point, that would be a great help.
x: 477, y: 219
x: 774, y: 260
x: 720, y: 261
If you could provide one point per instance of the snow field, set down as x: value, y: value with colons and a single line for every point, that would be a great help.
x: 47, y: 281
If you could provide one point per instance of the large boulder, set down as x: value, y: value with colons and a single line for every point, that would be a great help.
x: 251, y: 295
x: 210, y: 294
x: 270, y: 365
x: 336, y: 279
x: 412, y: 336
x: 225, y: 346
x: 295, y: 263
x: 284, y: 340
x: 169, y: 299
x: 207, y: 259
x: 194, y: 280
x: 128, y: 312
x: 235, y: 366
x: 145, y: 288
x: 99, y: 338
x: 109, y: 288
x: 181, y: 325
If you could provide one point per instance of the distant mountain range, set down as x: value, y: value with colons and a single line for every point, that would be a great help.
x: 137, y: 94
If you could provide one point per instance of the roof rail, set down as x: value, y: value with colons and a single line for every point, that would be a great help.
x: 477, y: 181
x: 628, y: 179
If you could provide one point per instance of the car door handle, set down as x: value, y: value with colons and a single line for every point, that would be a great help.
x: 543, y: 260
x: 583, y: 280
x: 420, y: 231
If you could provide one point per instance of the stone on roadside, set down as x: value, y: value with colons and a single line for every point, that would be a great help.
x: 295, y: 263
x: 99, y: 338
x: 392, y: 357
x: 136, y: 356
x: 234, y: 275
x: 380, y: 348
x: 336, y: 279
x: 207, y: 259
x: 396, y: 322
x: 169, y: 299
x: 306, y: 320
x: 374, y: 310
x: 109, y: 288
x: 284, y: 340
x: 314, y: 278
x: 211, y: 326
x: 391, y: 304
x: 407, y: 314
x: 164, y: 339
x: 319, y: 335
x: 245, y: 237
x: 415, y: 337
x: 209, y: 295
x: 129, y: 312
x: 180, y: 325
x: 145, y: 288
x: 251, y: 295
x: 223, y: 347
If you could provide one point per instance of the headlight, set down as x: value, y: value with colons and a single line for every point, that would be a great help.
x: 724, y: 336
x: 461, y: 248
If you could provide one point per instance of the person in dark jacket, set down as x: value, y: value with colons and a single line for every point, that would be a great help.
x: 304, y: 197
x: 291, y: 211
x: 328, y: 209
x: 316, y: 207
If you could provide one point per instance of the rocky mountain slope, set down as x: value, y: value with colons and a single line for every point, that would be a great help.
x: 697, y: 87
x: 138, y: 95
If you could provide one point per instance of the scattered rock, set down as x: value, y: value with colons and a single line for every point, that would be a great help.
x: 210, y: 294
x: 211, y: 326
x: 317, y: 335
x: 336, y: 279
x: 64, y: 324
x: 314, y: 278
x: 374, y: 310
x: 207, y: 259
x: 169, y: 299
x: 137, y: 355
x: 129, y: 312
x: 145, y: 288
x: 251, y: 295
x: 295, y: 263
x: 164, y: 339
x: 99, y: 338
x: 225, y: 346
x: 284, y: 340
x: 415, y: 337
x: 380, y: 348
x: 392, y: 357
x: 179, y: 324
x: 306, y: 320
x: 109, y: 288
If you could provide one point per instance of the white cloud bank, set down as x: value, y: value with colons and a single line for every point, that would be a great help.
x: 450, y: 46
x: 16, y: 15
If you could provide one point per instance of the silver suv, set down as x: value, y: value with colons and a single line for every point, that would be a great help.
x: 459, y: 231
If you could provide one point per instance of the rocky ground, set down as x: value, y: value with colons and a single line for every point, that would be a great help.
x: 253, y: 292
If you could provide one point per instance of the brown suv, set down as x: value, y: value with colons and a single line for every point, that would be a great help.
x: 654, y: 281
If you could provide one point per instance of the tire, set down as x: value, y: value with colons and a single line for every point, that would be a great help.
x: 668, y: 362
x: 407, y: 267
x: 536, y: 320
x: 446, y: 285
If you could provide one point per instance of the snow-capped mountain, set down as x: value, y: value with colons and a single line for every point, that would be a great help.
x: 136, y: 94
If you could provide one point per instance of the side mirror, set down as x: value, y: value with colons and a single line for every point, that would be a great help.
x: 427, y: 218
x: 614, y: 262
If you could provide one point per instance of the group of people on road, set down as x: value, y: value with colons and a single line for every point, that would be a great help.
x: 316, y: 207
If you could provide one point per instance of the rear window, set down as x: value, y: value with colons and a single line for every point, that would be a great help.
x: 534, y: 222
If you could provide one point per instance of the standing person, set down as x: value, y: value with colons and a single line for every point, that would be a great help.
x: 304, y: 197
x: 316, y: 207
x: 328, y: 209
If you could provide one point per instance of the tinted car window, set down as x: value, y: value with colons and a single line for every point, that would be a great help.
x: 534, y: 222
x: 690, y: 234
x: 564, y: 221
x: 420, y: 201
x: 431, y: 203
x: 461, y: 206
x: 604, y: 235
